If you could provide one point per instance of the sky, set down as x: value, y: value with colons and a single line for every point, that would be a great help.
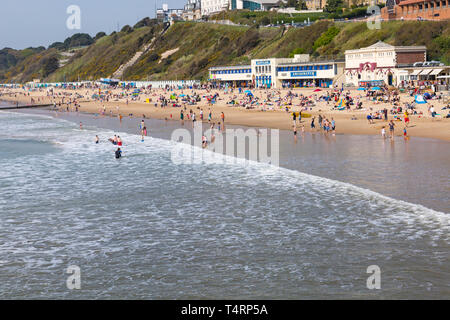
x: 31, y: 23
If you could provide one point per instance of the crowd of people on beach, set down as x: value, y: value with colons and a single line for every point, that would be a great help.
x: 321, y: 105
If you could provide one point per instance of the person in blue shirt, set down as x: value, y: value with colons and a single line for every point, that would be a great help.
x: 118, y: 153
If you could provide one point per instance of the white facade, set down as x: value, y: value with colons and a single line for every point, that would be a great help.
x: 279, y: 72
x: 231, y: 74
x: 377, y: 64
x: 209, y: 7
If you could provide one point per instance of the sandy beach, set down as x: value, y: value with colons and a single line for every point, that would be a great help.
x: 121, y: 101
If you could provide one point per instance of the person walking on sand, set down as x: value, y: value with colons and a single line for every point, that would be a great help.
x: 313, y: 126
x: 383, y: 132
x: 294, y: 118
x: 222, y: 116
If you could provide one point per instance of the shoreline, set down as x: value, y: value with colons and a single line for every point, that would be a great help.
x: 420, y: 126
x: 385, y: 158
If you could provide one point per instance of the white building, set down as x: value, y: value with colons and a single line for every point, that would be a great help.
x: 280, y: 72
x: 192, y: 10
x: 209, y: 7
x: 165, y: 14
x: 380, y: 63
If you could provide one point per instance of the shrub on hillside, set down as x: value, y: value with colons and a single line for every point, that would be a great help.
x: 152, y: 57
x: 296, y: 51
x: 326, y: 37
x: 99, y: 36
x: 49, y: 65
x: 127, y: 29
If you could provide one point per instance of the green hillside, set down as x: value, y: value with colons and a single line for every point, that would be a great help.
x: 195, y: 47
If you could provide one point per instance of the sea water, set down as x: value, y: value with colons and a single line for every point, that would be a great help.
x: 144, y: 227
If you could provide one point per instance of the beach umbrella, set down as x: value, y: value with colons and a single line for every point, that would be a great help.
x: 247, y: 91
x: 376, y: 88
x: 182, y: 95
x: 361, y: 89
x: 419, y: 99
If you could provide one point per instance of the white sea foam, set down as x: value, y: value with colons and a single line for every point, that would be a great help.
x: 74, y: 140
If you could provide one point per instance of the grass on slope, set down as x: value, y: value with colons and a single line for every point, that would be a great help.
x: 104, y: 57
x: 202, y: 45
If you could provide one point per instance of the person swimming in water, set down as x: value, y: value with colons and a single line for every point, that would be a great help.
x: 113, y: 140
x: 118, y: 153
x: 97, y: 140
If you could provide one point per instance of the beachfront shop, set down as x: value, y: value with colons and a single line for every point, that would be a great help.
x: 280, y: 72
x: 414, y: 75
x: 371, y: 83
x: 264, y: 72
x: 236, y: 76
x: 308, y: 75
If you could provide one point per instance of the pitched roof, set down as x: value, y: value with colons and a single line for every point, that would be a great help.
x: 380, y: 44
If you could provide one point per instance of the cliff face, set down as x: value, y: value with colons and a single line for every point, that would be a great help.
x: 188, y: 49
